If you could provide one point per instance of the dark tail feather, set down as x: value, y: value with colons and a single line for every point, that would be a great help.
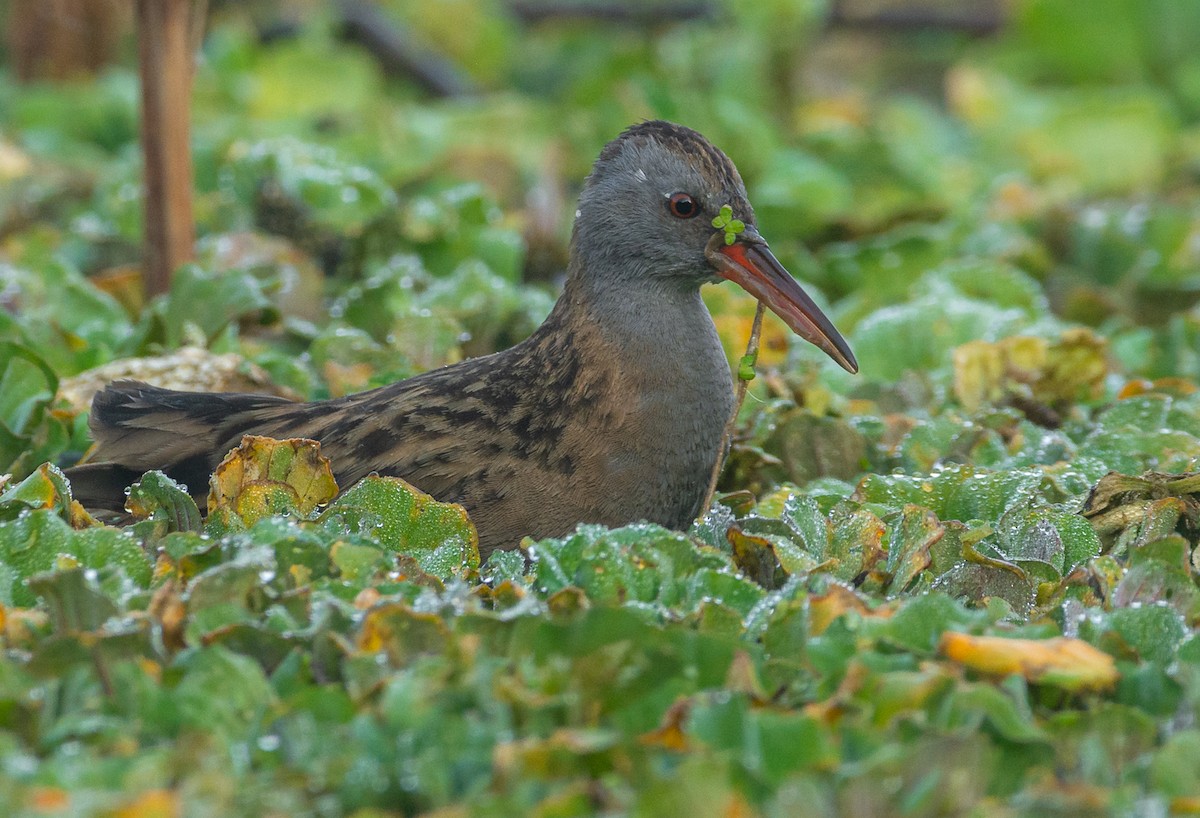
x: 101, y: 485
x: 138, y: 427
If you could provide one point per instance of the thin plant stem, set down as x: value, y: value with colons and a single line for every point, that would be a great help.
x: 743, y: 384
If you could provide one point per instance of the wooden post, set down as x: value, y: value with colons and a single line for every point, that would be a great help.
x: 165, y: 57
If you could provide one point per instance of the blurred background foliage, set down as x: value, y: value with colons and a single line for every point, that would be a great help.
x: 1058, y: 141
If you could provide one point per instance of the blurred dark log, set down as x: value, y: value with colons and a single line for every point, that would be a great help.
x: 165, y: 63
x: 277, y: 213
x: 638, y: 12
x: 362, y: 22
x: 61, y: 39
x: 977, y: 17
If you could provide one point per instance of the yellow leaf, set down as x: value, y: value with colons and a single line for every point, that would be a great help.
x: 346, y: 378
x: 263, y: 476
x: 1070, y: 664
x: 1046, y: 372
x: 1016, y: 199
x: 824, y: 608
x: 20, y: 627
x: 14, y: 163
x: 733, y: 313
x: 1185, y: 805
x: 151, y: 804
x: 1076, y: 364
x: 979, y: 97
x: 48, y: 799
x: 736, y: 806
x: 846, y: 111
x: 980, y: 372
x: 670, y: 734
x: 402, y: 632
x: 366, y: 600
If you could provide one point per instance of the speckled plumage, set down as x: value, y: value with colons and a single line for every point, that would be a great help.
x: 611, y: 412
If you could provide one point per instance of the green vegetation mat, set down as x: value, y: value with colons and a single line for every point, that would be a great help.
x: 963, y: 582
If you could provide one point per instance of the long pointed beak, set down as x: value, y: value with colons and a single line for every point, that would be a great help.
x: 751, y: 265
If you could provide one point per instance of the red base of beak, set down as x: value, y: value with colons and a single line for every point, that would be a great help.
x: 749, y: 264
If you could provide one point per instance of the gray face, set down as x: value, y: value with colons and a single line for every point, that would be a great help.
x: 647, y: 208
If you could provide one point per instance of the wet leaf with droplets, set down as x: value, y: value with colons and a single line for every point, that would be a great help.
x: 910, y: 538
x: 263, y: 476
x: 164, y: 503
x: 408, y: 521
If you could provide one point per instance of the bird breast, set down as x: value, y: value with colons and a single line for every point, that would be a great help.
x: 660, y: 394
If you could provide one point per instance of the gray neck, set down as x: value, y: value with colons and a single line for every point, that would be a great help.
x: 663, y: 335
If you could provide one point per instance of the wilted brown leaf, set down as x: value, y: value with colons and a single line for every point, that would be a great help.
x: 743, y: 678
x: 755, y: 556
x: 169, y: 611
x: 826, y: 607
x: 1030, y: 370
x: 670, y: 734
x: 1157, y: 500
x: 402, y: 632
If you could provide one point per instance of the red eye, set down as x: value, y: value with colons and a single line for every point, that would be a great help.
x: 682, y: 205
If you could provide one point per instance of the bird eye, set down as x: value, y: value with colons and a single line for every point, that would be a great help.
x: 682, y: 205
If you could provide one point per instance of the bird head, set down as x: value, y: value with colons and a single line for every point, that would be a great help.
x: 663, y: 203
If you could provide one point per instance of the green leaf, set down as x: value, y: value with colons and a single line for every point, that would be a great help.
x: 29, y: 434
x: 764, y: 744
x: 220, y: 693
x: 958, y: 493
x: 163, y: 502
x: 1058, y: 538
x: 724, y: 220
x: 40, y: 540
x: 208, y: 301
x: 227, y: 593
x: 745, y: 370
x: 504, y: 565
x: 1154, y: 631
x: 920, y: 621
x: 75, y: 603
x: 1175, y: 768
x: 439, y: 536
x: 909, y: 541
x: 103, y: 546
x: 969, y: 702
x: 47, y: 488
